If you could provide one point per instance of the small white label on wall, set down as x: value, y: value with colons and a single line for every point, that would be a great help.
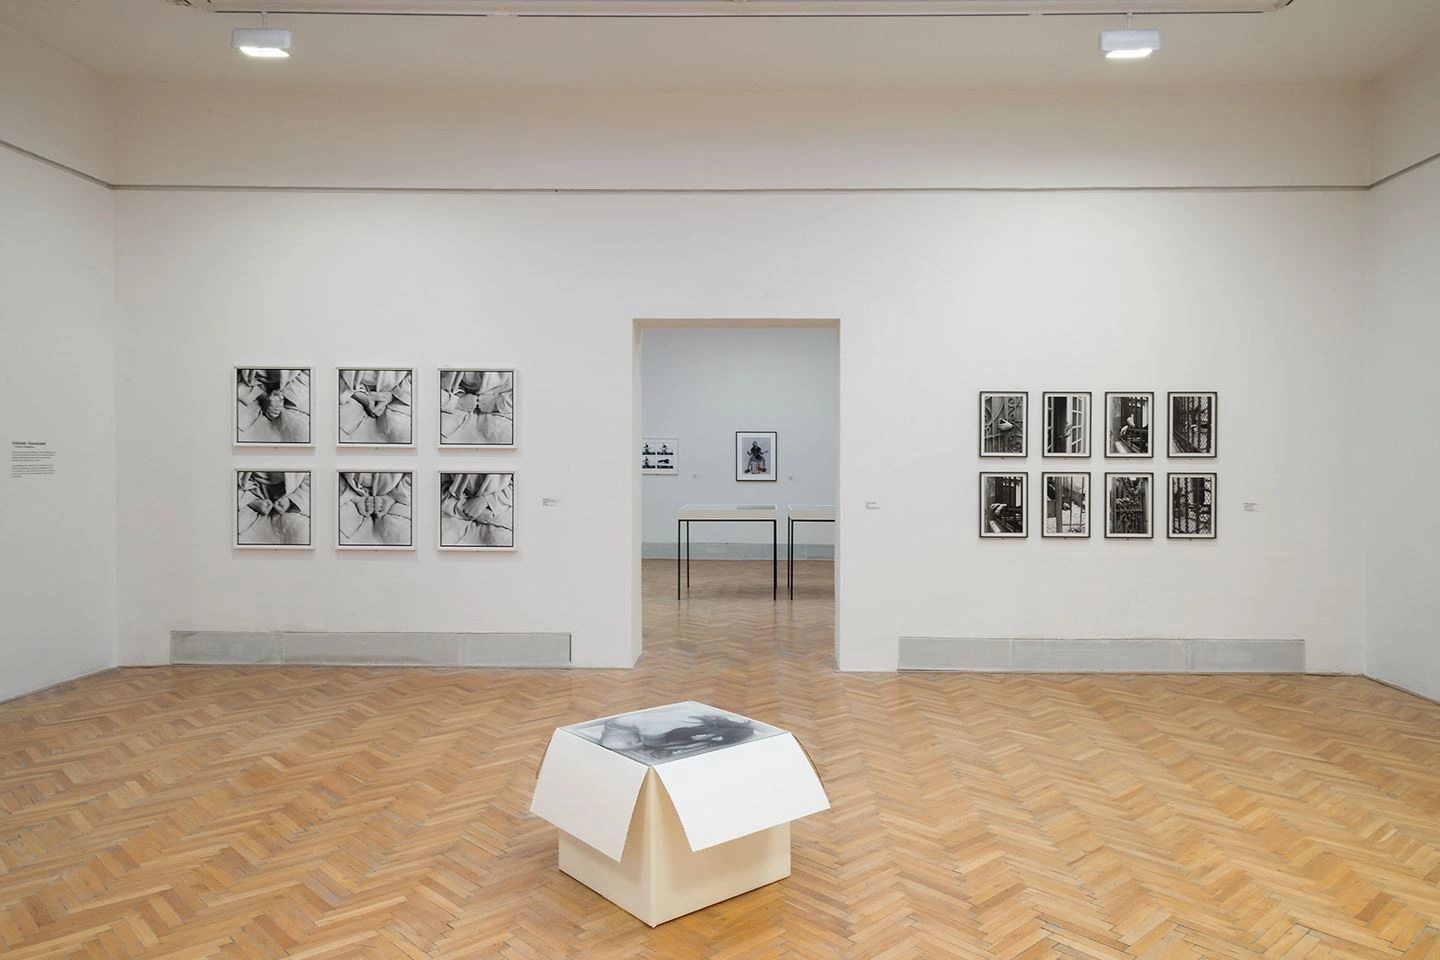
x: 31, y: 458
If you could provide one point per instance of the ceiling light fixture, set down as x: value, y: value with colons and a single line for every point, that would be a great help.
x: 262, y: 42
x: 1129, y: 44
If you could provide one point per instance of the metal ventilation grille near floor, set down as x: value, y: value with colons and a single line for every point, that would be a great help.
x: 1126, y: 655
x: 370, y: 649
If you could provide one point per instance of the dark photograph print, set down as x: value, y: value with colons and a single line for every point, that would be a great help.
x: 1067, y: 425
x: 375, y: 511
x: 1129, y: 430
x: 272, y: 509
x: 754, y: 455
x: 477, y: 408
x: 1002, y: 505
x: 672, y: 732
x: 272, y: 406
x: 1002, y: 423
x: 477, y: 511
x: 1192, y: 424
x: 1128, y: 506
x: 657, y: 455
x: 1066, y: 506
x: 1192, y: 506
x: 374, y: 407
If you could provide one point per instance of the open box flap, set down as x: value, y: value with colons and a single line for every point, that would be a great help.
x: 741, y: 790
x: 588, y: 791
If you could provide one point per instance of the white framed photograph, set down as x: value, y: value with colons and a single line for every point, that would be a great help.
x: 272, y: 406
x: 374, y: 407
x: 1002, y: 506
x: 1193, y: 424
x: 1129, y: 506
x: 375, y: 511
x: 1129, y: 424
x: 755, y: 455
x: 1192, y: 506
x: 272, y: 510
x: 658, y: 455
x: 1066, y: 506
x: 1002, y: 423
x: 1067, y: 424
x: 477, y: 408
x: 477, y: 511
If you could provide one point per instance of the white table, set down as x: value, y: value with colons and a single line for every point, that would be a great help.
x: 802, y: 513
x: 728, y: 513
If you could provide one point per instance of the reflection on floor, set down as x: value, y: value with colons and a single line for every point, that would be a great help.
x: 366, y: 812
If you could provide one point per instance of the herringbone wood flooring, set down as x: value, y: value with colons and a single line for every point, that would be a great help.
x: 381, y: 813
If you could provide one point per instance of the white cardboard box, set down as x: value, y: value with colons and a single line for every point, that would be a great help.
x: 677, y: 820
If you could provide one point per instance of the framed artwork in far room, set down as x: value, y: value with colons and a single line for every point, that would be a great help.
x: 1194, y: 424
x: 658, y: 455
x: 477, y: 511
x: 1191, y: 514
x: 755, y: 455
x: 1003, y: 416
x: 1065, y: 505
x: 1129, y: 506
x: 272, y: 510
x: 1066, y: 425
x: 1002, y: 507
x: 1130, y: 424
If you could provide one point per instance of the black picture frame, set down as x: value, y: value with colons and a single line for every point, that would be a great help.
x: 1003, y: 510
x: 1053, y: 490
x: 757, y: 456
x: 1193, y: 424
x: 1130, y: 424
x: 1191, y: 509
x: 475, y: 511
x: 1129, y: 499
x: 1003, y: 423
x: 1065, y: 421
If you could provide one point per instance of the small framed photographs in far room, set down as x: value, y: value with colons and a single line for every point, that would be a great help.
x: 755, y: 453
x: 1192, y: 506
x: 1129, y: 506
x: 272, y: 510
x: 657, y: 455
x: 1002, y: 423
x: 375, y: 407
x: 375, y: 511
x: 272, y: 406
x: 477, y: 511
x: 1067, y: 425
x: 1129, y: 424
x: 1193, y: 424
x: 1003, y: 506
x: 477, y: 408
x: 1066, y: 505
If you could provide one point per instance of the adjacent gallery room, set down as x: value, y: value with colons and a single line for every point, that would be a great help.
x: 684, y: 478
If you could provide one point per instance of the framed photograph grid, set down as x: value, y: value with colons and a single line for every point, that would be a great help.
x: 658, y: 455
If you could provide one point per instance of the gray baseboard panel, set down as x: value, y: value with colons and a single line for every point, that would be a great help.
x: 1117, y: 655
x: 736, y: 551
x: 370, y: 649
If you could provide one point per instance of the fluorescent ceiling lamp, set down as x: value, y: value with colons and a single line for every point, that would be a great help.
x: 262, y: 42
x: 1129, y: 44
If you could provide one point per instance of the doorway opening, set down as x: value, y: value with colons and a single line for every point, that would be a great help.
x: 736, y: 437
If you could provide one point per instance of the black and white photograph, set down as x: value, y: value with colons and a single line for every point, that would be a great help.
x: 477, y: 408
x: 375, y: 407
x: 272, y: 406
x: 477, y: 511
x: 1002, y: 505
x: 1193, y: 424
x: 1002, y: 423
x: 1067, y: 425
x: 272, y: 510
x: 1128, y: 506
x: 657, y: 455
x: 1192, y: 506
x: 1066, y: 505
x: 673, y: 731
x: 1129, y: 426
x: 375, y: 511
x: 755, y: 455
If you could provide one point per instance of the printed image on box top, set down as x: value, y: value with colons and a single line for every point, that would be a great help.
x: 673, y: 731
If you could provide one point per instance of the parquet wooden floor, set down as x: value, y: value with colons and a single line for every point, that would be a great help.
x: 382, y: 813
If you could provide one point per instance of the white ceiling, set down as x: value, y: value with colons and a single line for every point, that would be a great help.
x: 1312, y: 41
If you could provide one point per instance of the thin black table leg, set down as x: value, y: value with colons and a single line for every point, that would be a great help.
x: 677, y: 558
x: 774, y: 559
x: 790, y: 556
x: 687, y: 554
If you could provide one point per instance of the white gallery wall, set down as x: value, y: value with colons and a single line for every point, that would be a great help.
x: 57, y: 327
x: 702, y: 384
x: 1402, y: 340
